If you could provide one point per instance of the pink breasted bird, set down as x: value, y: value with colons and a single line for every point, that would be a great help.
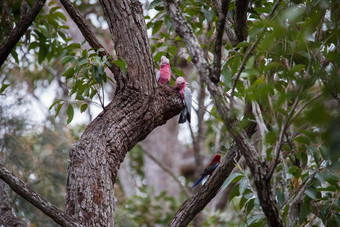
x: 163, y: 76
x: 184, y: 91
x: 209, y: 170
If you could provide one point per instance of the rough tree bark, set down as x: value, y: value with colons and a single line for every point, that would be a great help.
x: 138, y: 107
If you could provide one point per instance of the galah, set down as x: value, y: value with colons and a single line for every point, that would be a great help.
x: 209, y: 170
x: 163, y: 76
x: 184, y: 91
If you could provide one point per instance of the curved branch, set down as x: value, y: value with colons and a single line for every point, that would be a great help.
x: 19, y: 30
x: 34, y: 198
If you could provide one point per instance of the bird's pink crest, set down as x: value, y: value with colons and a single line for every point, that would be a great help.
x: 164, y: 60
x: 180, y: 83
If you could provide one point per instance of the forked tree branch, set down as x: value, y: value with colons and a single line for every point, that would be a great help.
x: 19, y: 30
x: 34, y: 198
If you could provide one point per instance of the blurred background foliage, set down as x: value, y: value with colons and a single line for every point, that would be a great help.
x: 293, y: 75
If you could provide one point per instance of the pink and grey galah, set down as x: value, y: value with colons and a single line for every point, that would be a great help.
x: 184, y: 91
x: 163, y: 76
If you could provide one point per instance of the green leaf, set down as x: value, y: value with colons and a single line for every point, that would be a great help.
x: 230, y: 179
x: 84, y: 53
x: 297, y: 68
x: 83, y: 108
x: 33, y: 45
x: 69, y: 73
x: 121, y: 63
x: 157, y: 26
x: 42, y: 53
x: 96, y: 75
x: 234, y: 192
x: 209, y: 15
x: 250, y: 204
x: 155, y: 3
x: 70, y: 113
x: 3, y: 87
x: 15, y: 56
x: 255, y: 221
x: 243, y: 185
x: 331, y: 179
x: 56, y: 102
x: 304, y: 210
x: 60, y: 15
x: 67, y: 59
x: 280, y: 196
x: 311, y: 192
x: 58, y: 109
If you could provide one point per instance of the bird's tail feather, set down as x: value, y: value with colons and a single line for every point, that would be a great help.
x: 183, y: 116
x: 197, y: 182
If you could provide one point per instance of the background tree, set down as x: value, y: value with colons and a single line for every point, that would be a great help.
x: 267, y: 72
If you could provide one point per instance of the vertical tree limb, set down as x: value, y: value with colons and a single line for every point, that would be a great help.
x: 215, y: 76
x: 241, y: 27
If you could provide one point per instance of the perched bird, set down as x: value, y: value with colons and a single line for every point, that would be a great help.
x: 163, y: 76
x: 209, y: 170
x: 186, y: 96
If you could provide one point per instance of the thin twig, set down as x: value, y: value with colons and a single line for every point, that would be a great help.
x: 167, y: 170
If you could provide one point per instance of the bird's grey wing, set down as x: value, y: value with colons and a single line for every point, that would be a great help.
x: 188, y: 100
x: 158, y: 75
